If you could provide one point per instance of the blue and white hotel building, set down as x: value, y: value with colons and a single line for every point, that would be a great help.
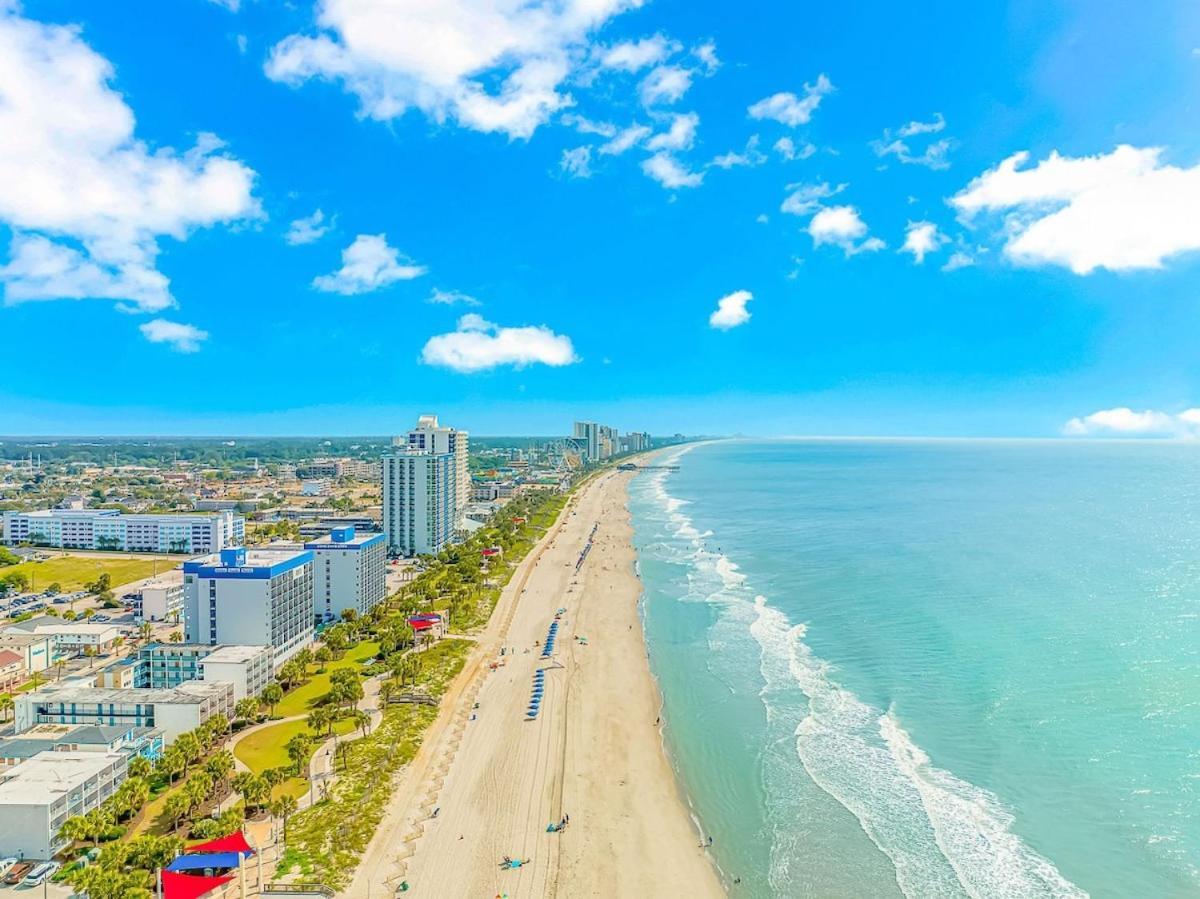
x: 349, y: 572
x: 250, y: 597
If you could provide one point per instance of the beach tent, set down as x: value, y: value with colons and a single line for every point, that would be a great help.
x: 190, y: 886
x: 200, y: 860
x: 235, y: 842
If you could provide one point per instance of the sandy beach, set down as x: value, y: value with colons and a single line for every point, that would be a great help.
x: 594, y: 753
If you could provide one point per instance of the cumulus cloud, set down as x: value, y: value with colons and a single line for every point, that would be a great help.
x: 1120, y: 211
x: 452, y: 298
x: 492, y: 67
x: 898, y: 143
x: 1125, y: 422
x: 707, y: 54
x: 665, y: 85
x: 633, y: 56
x: 789, y: 109
x: 625, y: 139
x: 731, y: 311
x: 478, y: 345
x: 958, y: 259
x: 842, y: 226
x: 751, y: 155
x: 679, y: 136
x: 921, y: 239
x: 786, y: 147
x: 577, y: 162
x: 180, y: 337
x: 308, y: 229
x: 805, y: 199
x: 670, y: 172
x: 86, y: 201
x: 368, y: 264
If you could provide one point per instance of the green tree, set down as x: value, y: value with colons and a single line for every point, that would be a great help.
x: 177, y: 805
x: 299, y: 748
x: 246, y: 709
x: 140, y: 766
x: 283, y: 808
x: 272, y: 694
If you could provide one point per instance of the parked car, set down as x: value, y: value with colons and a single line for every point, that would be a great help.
x: 6, y: 864
x: 44, y: 871
x: 17, y: 872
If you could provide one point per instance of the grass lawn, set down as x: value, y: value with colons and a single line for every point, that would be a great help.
x: 267, y: 748
x: 72, y: 572
x: 300, y: 700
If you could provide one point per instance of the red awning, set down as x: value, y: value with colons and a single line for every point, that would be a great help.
x: 420, y: 625
x: 190, y: 886
x: 235, y: 842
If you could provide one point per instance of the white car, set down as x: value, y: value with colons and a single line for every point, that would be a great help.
x: 42, y: 872
x: 6, y: 865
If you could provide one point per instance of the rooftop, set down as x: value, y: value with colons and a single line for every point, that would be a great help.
x: 48, y: 775
x: 232, y: 654
x: 189, y: 692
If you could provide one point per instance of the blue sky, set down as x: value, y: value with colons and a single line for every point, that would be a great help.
x: 531, y: 212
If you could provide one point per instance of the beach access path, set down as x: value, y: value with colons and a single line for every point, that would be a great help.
x: 594, y: 753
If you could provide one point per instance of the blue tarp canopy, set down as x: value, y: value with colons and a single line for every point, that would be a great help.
x: 201, y: 860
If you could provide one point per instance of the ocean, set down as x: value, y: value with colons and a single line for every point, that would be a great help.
x: 931, y: 668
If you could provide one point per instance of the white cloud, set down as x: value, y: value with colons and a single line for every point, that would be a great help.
x: 632, y: 56
x: 1121, y: 210
x: 762, y: 218
x: 707, y: 54
x: 898, y: 143
x: 478, y: 345
x: 665, y: 84
x: 487, y: 65
x: 308, y: 229
x: 842, y: 226
x: 368, y: 264
x: 452, y: 298
x: 625, y: 139
x: 790, y: 109
x: 577, y: 162
x: 1125, y: 422
x: 805, y: 199
x: 786, y: 147
x: 669, y: 172
x: 87, y: 202
x: 731, y: 311
x: 912, y: 129
x: 231, y: 5
x: 921, y: 239
x: 750, y: 156
x: 181, y: 338
x: 958, y: 259
x: 679, y: 136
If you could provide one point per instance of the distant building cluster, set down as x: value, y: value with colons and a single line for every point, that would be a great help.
x: 599, y: 442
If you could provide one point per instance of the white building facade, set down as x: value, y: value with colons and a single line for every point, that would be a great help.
x: 430, y: 437
x: 255, y: 597
x: 420, y: 491
x: 39, y: 794
x: 108, y: 529
x: 349, y: 572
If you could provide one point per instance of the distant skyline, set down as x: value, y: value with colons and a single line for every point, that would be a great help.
x: 224, y: 217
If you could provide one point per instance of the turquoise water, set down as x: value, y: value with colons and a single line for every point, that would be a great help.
x: 959, y: 668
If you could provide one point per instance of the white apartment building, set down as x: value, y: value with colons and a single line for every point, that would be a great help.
x: 69, y: 636
x: 430, y: 437
x: 108, y: 529
x: 419, y: 495
x: 250, y: 597
x: 38, y: 795
x: 247, y: 668
x: 173, y: 711
x: 349, y: 572
x: 160, y: 600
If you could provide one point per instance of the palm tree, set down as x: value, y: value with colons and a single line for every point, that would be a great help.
x: 271, y: 695
x: 176, y: 807
x: 75, y: 829
x: 6, y: 706
x: 283, y: 808
x: 98, y: 821
x: 246, y: 708
x: 145, y: 629
x: 176, y: 637
x: 140, y: 767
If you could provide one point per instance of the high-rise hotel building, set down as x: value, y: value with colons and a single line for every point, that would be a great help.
x: 430, y: 437
x: 420, y: 490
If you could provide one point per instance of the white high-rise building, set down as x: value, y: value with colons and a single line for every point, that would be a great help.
x: 349, y: 572
x: 599, y: 441
x: 255, y: 597
x: 420, y: 491
x: 109, y: 529
x: 430, y: 437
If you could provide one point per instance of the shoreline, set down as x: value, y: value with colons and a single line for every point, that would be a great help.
x: 595, y: 752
